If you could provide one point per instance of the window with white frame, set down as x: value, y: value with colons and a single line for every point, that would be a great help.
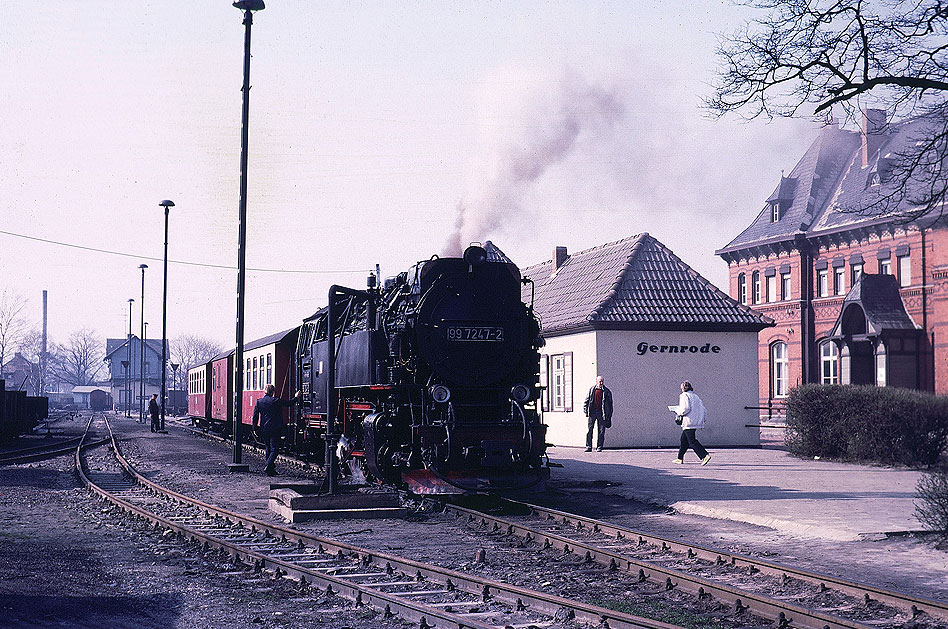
x: 885, y: 267
x: 785, y: 286
x: 269, y: 368
x: 742, y: 288
x: 775, y: 211
x: 771, y: 288
x: 755, y: 287
x: 779, y: 368
x: 561, y: 382
x: 856, y: 270
x: 839, y: 280
x: 905, y: 270
x: 822, y: 283
x: 829, y: 362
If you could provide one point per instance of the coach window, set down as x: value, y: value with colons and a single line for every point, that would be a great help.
x: 269, y: 368
x: 742, y: 288
x: 755, y: 287
x: 779, y: 366
x: 247, y: 377
x: 905, y: 270
x: 829, y: 362
x: 561, y: 377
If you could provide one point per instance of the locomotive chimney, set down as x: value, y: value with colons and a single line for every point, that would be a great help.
x: 873, y: 127
x: 559, y: 258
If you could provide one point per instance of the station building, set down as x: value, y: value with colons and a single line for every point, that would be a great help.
x: 634, y: 313
x: 858, y: 296
x: 125, y: 378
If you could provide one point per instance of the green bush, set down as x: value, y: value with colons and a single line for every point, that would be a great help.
x: 931, y: 508
x: 867, y: 423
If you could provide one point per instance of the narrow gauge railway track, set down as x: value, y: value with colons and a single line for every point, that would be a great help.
x: 44, y: 451
x: 428, y: 595
x: 611, y: 545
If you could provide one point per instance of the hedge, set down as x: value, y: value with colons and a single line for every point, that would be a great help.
x: 867, y: 423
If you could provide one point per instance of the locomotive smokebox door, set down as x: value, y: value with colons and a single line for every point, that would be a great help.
x: 470, y: 322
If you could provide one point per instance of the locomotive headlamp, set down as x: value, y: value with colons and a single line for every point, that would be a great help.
x: 520, y: 393
x: 475, y: 255
x: 440, y: 393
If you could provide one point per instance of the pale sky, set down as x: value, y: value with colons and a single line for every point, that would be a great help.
x: 569, y: 123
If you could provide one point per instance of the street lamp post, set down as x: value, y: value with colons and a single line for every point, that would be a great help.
x: 141, y: 371
x: 128, y: 375
x: 125, y: 391
x: 248, y: 7
x: 164, y: 316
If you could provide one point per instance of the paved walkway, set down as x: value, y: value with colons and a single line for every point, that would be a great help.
x: 768, y: 487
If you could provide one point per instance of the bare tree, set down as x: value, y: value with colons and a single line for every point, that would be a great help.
x: 31, y: 347
x: 79, y: 361
x: 13, y: 323
x: 190, y: 350
x: 807, y: 57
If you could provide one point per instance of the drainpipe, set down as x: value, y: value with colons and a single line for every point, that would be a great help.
x: 918, y: 354
x: 807, y: 320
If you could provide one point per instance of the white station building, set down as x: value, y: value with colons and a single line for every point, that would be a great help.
x: 634, y: 313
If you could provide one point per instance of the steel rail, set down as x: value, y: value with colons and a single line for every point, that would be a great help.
x: 906, y: 602
x: 427, y: 616
x: 784, y: 613
x: 48, y: 451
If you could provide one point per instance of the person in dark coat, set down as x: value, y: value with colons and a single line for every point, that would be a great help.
x: 598, y: 409
x: 268, y: 411
x: 155, y: 411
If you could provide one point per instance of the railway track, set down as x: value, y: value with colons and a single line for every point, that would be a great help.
x: 427, y: 595
x: 44, y: 451
x: 825, y: 602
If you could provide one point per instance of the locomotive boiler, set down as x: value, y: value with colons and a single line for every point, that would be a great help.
x: 429, y: 382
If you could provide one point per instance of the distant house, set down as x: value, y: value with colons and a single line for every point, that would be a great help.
x: 21, y: 373
x: 96, y: 398
x: 634, y: 313
x: 125, y: 376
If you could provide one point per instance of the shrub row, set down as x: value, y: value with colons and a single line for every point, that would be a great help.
x: 867, y: 423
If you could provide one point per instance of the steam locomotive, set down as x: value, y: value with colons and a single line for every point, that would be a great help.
x: 428, y: 382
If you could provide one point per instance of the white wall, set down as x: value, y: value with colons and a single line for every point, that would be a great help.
x: 570, y: 428
x: 645, y: 379
x: 645, y: 382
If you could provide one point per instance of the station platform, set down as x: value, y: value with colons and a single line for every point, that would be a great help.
x: 767, y: 487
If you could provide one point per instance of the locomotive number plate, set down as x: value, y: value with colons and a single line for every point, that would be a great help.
x: 475, y: 333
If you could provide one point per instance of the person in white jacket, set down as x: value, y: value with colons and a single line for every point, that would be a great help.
x: 692, y: 412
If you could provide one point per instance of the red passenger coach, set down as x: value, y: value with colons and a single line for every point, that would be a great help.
x: 221, y: 407
x: 267, y: 361
x: 198, y: 388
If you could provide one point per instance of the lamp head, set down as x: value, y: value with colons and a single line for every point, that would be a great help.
x: 143, y: 266
x: 166, y: 204
x: 131, y: 301
x: 249, y: 5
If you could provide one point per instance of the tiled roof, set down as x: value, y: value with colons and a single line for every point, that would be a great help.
x: 634, y: 283
x: 111, y: 345
x: 829, y: 189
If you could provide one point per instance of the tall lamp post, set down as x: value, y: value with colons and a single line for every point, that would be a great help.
x: 248, y: 7
x: 125, y: 392
x: 128, y: 365
x: 141, y: 372
x: 164, y: 317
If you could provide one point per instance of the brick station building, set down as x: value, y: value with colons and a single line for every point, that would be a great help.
x: 858, y: 298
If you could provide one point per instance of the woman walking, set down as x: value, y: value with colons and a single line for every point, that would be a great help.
x: 692, y: 413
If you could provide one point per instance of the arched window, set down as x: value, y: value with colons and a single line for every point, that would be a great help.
x: 829, y: 362
x: 755, y: 281
x: 779, y: 368
x: 742, y: 288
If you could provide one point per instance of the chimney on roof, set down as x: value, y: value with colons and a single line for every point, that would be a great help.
x: 873, y: 128
x: 559, y: 258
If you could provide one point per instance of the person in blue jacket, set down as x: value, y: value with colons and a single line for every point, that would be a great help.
x: 268, y: 411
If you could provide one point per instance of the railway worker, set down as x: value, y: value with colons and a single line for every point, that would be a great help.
x: 691, y: 410
x: 155, y: 412
x: 598, y: 410
x: 268, y: 411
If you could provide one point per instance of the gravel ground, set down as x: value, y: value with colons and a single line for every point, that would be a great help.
x: 68, y: 562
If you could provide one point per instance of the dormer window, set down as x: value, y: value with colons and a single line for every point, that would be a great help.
x: 874, y: 179
x: 775, y: 211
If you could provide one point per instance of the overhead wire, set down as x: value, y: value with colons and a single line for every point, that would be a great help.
x: 181, y: 262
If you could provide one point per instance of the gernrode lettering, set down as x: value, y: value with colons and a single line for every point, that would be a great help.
x: 644, y: 348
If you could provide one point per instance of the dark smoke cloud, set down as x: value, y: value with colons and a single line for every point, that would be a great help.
x: 562, y: 117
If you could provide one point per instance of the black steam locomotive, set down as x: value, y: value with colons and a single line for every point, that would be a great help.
x: 435, y: 377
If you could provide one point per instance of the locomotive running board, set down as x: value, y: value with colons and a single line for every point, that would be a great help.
x: 426, y: 482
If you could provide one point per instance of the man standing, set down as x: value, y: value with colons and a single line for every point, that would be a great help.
x: 268, y: 411
x: 598, y: 409
x: 155, y: 412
